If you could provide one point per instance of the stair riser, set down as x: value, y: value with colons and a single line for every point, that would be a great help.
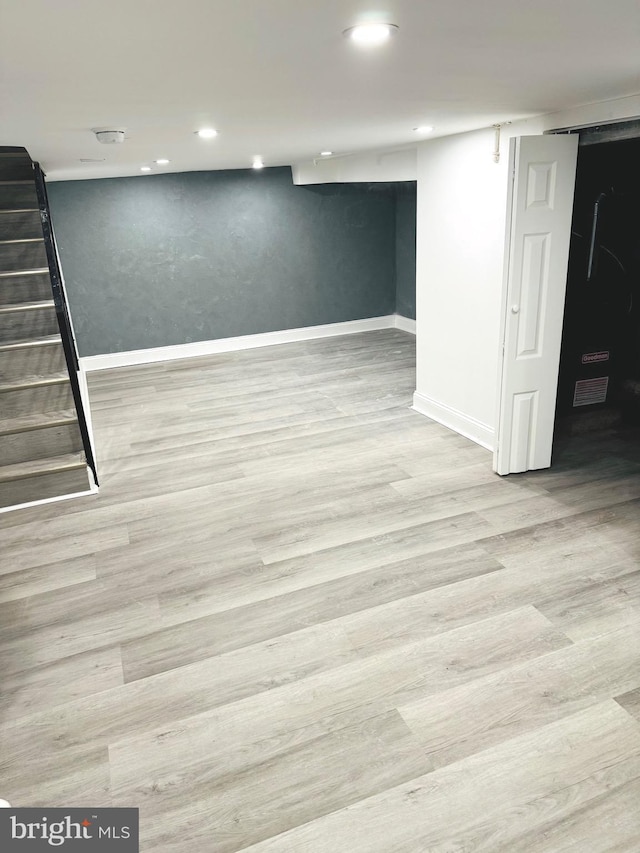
x: 24, y: 325
x: 47, y: 486
x: 25, y: 288
x: 20, y: 226
x: 40, y: 444
x: 31, y: 401
x: 11, y: 170
x: 22, y: 256
x: 18, y: 196
x: 31, y: 361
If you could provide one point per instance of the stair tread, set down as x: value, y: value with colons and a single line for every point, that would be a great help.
x: 45, y: 340
x: 18, y: 209
x: 15, y: 240
x: 22, y: 240
x: 32, y: 271
x: 35, y: 381
x: 39, y: 467
x: 27, y: 306
x: 39, y: 420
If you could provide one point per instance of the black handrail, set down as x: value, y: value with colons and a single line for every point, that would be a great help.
x: 62, y: 312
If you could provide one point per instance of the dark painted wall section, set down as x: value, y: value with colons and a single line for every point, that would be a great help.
x: 406, y: 250
x: 169, y: 259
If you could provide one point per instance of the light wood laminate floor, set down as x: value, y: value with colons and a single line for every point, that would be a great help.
x: 301, y: 618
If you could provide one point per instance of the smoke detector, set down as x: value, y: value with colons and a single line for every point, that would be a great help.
x: 108, y: 135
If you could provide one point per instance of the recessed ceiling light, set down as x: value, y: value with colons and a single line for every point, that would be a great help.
x: 145, y: 168
x: 326, y: 153
x: 206, y: 133
x: 162, y: 162
x: 424, y: 128
x: 371, y: 34
x: 257, y: 163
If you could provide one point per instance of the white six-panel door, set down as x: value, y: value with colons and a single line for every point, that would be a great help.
x: 538, y: 231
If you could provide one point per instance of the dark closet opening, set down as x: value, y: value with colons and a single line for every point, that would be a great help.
x: 599, y: 379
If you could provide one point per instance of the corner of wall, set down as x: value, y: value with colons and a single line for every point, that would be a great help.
x: 451, y: 418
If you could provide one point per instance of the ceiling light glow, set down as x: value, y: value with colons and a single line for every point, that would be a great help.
x: 326, y: 153
x: 206, y: 133
x: 371, y: 34
x: 257, y: 163
x: 424, y: 128
x: 145, y: 168
x: 162, y: 162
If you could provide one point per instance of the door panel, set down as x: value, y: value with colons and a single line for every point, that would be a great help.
x: 539, y: 227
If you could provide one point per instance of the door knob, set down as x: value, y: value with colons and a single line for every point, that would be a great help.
x: 515, y: 309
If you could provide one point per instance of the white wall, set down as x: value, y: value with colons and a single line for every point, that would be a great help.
x: 461, y: 215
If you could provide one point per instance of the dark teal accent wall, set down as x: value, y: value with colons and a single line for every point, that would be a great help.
x: 406, y: 249
x: 157, y: 260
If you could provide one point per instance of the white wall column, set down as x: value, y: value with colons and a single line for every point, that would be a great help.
x: 462, y: 197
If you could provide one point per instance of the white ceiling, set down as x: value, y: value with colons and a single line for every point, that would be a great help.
x: 278, y: 79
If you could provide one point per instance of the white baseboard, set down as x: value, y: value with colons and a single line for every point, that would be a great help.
x: 265, y: 339
x: 453, y: 419
x: 406, y: 324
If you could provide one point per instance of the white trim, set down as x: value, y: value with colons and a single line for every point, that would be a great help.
x: 92, y: 491
x: 406, y: 324
x: 265, y: 339
x: 467, y: 426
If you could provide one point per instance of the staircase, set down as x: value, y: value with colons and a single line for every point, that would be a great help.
x: 44, y: 442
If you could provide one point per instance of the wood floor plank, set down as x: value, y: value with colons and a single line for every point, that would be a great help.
x: 607, y: 822
x: 584, y: 540
x: 560, y: 505
x: 599, y: 608
x: 93, y: 617
x: 154, y: 704
x: 467, y: 719
x: 576, y: 471
x: 66, y: 548
x: 82, y: 779
x: 60, y: 681
x: 292, y: 515
x: 586, y: 816
x: 198, y: 628
x: 630, y: 702
x: 382, y: 517
x: 461, y: 480
x: 470, y: 804
x: 27, y: 582
x: 464, y: 602
x: 267, y: 787
x: 370, y: 684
